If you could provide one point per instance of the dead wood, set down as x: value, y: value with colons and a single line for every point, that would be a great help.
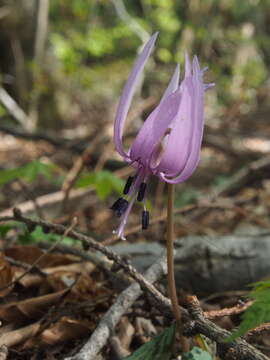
x: 51, y: 204
x: 204, y: 265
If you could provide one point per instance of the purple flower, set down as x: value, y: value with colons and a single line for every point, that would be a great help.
x: 169, y: 142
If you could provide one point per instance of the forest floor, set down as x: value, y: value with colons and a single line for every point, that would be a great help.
x: 54, y: 294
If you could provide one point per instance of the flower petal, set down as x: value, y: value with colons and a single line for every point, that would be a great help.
x: 128, y: 93
x: 157, y: 122
x: 177, y: 149
x: 193, y: 139
x: 173, y: 84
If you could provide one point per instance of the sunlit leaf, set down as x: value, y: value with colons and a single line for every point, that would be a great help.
x: 258, y: 313
x: 104, y: 183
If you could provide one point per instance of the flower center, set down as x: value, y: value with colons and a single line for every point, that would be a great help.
x: 159, y: 149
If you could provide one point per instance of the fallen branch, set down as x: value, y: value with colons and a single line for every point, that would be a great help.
x: 14, y: 109
x: 235, y: 310
x: 124, y: 301
x: 51, y: 203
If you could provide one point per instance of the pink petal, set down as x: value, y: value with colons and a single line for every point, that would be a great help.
x: 157, y: 122
x: 128, y: 93
x: 176, y: 151
x: 191, y: 144
x: 173, y: 84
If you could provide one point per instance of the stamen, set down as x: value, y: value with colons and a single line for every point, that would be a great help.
x: 120, y: 207
x: 141, y: 191
x: 145, y: 219
x: 128, y: 185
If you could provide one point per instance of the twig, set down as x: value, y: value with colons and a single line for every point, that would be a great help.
x: 32, y: 197
x: 38, y: 136
x: 30, y: 269
x: 124, y: 301
x: 258, y: 331
x: 14, y: 109
x: 76, y: 171
x: 101, y: 262
x: 40, y: 41
x: 235, y: 310
x: 51, y: 203
x: 201, y: 204
x: 239, y: 177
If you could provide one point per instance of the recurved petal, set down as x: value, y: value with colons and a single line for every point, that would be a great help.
x: 193, y: 137
x: 128, y: 93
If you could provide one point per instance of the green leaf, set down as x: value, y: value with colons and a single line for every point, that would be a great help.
x: 35, y: 168
x: 9, y: 175
x: 104, y: 183
x: 159, y: 348
x: 28, y: 172
x: 39, y: 235
x: 258, y: 313
x: 4, y: 229
x: 197, y: 354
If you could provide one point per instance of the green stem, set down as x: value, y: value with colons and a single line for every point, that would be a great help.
x: 170, y: 265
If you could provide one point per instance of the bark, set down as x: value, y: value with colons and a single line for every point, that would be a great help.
x: 204, y: 265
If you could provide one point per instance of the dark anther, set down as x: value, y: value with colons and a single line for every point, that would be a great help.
x: 46, y: 229
x: 141, y: 191
x: 120, y: 206
x: 145, y: 219
x: 128, y: 185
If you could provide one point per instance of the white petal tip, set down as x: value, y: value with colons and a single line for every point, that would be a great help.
x: 209, y: 86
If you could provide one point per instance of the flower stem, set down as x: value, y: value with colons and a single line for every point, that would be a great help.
x: 170, y: 265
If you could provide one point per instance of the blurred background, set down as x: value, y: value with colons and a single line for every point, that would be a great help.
x: 64, y: 63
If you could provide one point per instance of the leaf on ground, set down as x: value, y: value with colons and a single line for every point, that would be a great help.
x: 159, y: 348
x: 258, y: 313
x: 31, y: 308
x: 29, y: 254
x: 197, y: 354
x: 65, y: 329
x: 104, y: 183
x: 6, y: 276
